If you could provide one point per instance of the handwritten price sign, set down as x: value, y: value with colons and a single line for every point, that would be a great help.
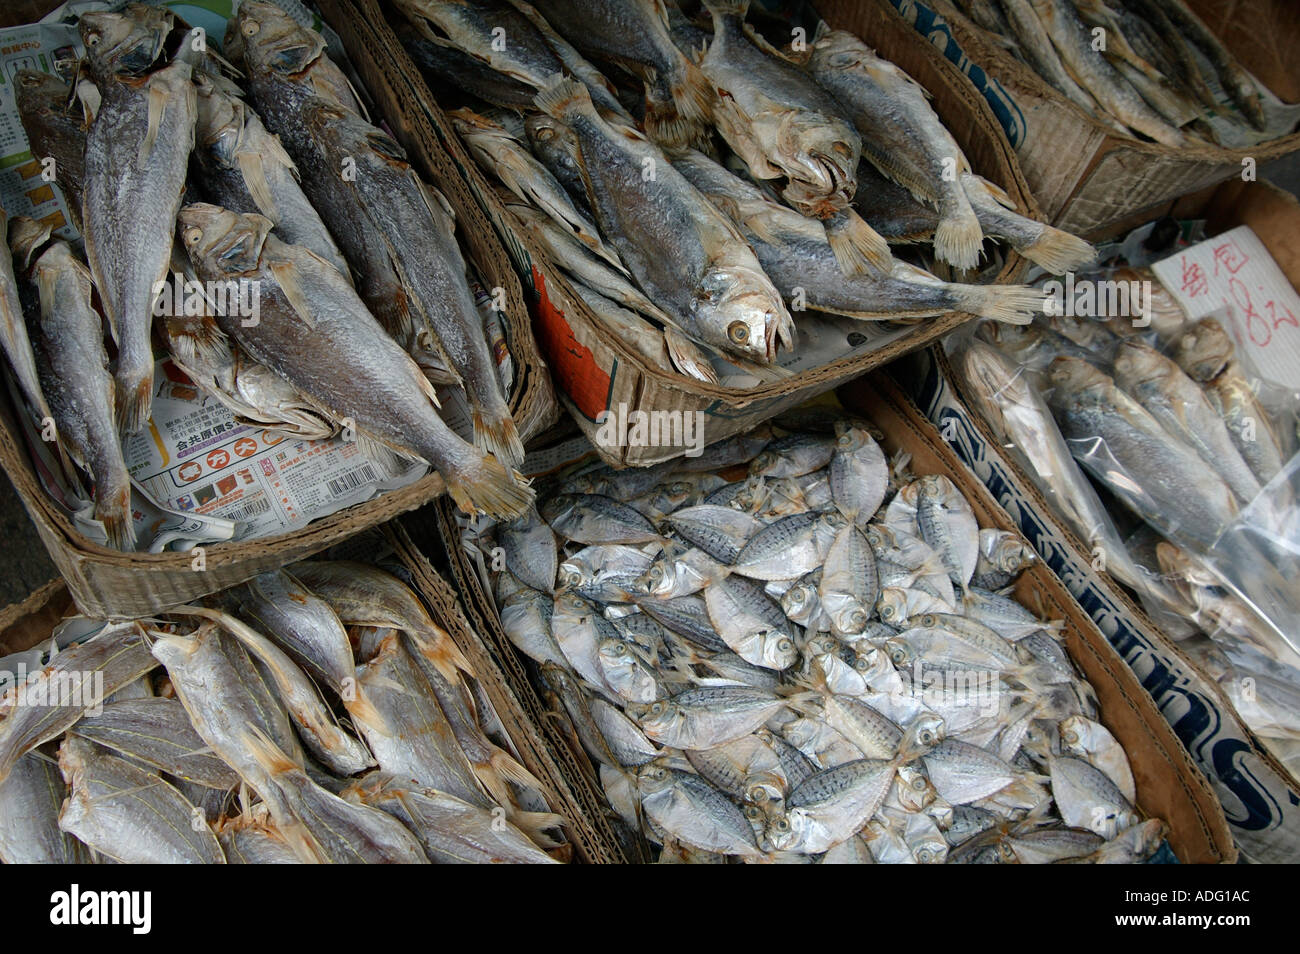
x: 1235, y: 271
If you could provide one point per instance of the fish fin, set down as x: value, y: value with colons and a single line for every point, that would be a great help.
x: 134, y: 403
x: 427, y: 386
x: 535, y: 824
x: 687, y: 357
x: 509, y: 769
x: 1059, y: 252
x: 1013, y: 304
x: 362, y: 710
x: 564, y: 99
x: 436, y: 645
x: 858, y: 247
x: 114, y: 512
x: 377, y: 450
x: 999, y: 194
x: 89, y: 96
x: 958, y: 237
x: 259, y: 187
x: 436, y: 201
x: 286, y: 276
x: 266, y: 753
x: 496, y: 434
x: 486, y: 485
x: 157, y: 107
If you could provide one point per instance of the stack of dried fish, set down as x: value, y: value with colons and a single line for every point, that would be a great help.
x: 766, y: 182
x: 1149, y: 68
x: 1170, y: 424
x: 310, y: 303
x: 314, y: 715
x: 787, y: 649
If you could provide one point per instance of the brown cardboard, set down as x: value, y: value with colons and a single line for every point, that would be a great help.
x: 109, y: 583
x: 1168, y: 784
x: 1084, y: 177
x: 594, y: 370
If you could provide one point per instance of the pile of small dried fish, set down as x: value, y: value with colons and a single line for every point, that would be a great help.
x: 315, y: 715
x: 766, y: 182
x: 788, y: 649
x: 362, y: 296
x: 1148, y: 68
x: 1166, y: 419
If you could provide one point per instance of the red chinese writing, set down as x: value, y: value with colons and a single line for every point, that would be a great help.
x: 1194, y: 278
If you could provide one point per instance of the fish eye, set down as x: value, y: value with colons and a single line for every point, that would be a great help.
x: 738, y: 332
x: 861, y: 664
x: 785, y: 646
x: 924, y: 855
x: 92, y: 39
x: 926, y: 736
x: 857, y: 619
x: 657, y: 708
x: 782, y: 825
x: 250, y: 28
x: 193, y: 234
x: 886, y: 612
x: 929, y: 620
x: 898, y: 655
x: 545, y: 134
x: 753, y: 811
x: 918, y: 783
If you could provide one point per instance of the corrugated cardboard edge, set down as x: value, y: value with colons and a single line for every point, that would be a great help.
x: 1170, y: 786
x: 598, y: 370
x: 434, y: 531
x: 109, y: 583
x: 1084, y: 176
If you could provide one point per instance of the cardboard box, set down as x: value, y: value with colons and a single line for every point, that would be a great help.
x: 1169, y: 785
x: 1261, y: 798
x: 1084, y: 177
x: 109, y: 583
x: 24, y: 625
x: 595, y: 371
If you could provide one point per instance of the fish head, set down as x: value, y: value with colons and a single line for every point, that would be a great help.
x: 27, y: 236
x: 1205, y: 350
x: 798, y: 600
x: 615, y: 652
x: 655, y: 718
x: 1137, y: 363
x: 547, y: 134
x: 891, y: 607
x: 1013, y: 554
x: 221, y: 242
x: 786, y: 830
x: 271, y: 40
x: 127, y: 42
x: 849, y: 619
x: 1071, y: 376
x: 851, y: 438
x: 776, y: 649
x: 1074, y: 733
x: 738, y: 309
x: 654, y: 777
x: 820, y: 156
x: 41, y: 92
x: 915, y: 790
x: 220, y: 118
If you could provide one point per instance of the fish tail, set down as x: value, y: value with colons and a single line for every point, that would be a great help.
x: 509, y: 769
x: 858, y: 247
x: 693, y: 95
x: 958, y: 236
x: 113, y: 510
x: 1059, y: 252
x: 266, y: 753
x: 687, y: 357
x: 565, y: 99
x: 134, y: 401
x: 489, y: 487
x: 495, y: 433
x: 1014, y: 304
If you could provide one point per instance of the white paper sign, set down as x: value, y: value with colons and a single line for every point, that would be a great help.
x: 1234, y: 270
